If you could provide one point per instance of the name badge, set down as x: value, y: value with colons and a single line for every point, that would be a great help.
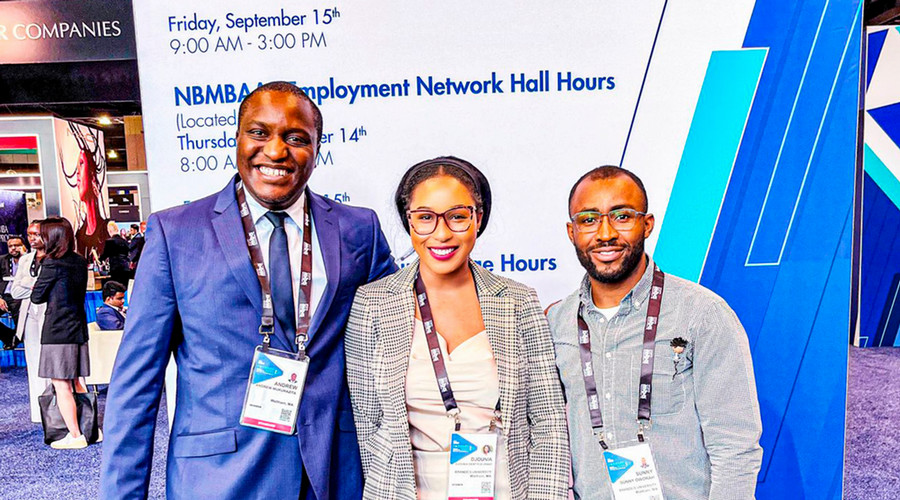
x: 473, y: 464
x: 272, y: 400
x: 632, y: 473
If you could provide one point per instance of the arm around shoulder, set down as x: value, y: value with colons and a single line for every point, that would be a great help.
x: 359, y: 343
x: 382, y: 260
x: 548, y: 475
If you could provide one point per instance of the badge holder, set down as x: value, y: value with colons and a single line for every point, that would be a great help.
x: 277, y: 378
x: 473, y: 462
x: 274, y: 388
x: 632, y: 472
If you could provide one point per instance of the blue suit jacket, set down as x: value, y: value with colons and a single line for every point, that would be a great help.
x: 196, y: 294
x: 109, y: 319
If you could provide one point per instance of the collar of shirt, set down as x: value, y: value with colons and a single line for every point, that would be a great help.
x: 294, y: 230
x: 295, y: 211
x: 633, y: 300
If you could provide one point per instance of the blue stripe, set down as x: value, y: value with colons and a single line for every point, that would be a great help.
x: 882, y: 176
x: 708, y: 158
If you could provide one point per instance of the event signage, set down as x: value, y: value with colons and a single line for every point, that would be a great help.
x: 532, y: 104
x: 42, y: 31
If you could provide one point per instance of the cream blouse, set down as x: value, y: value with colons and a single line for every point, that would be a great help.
x: 476, y: 387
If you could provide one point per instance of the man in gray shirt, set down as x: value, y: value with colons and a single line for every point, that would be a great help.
x: 704, y: 424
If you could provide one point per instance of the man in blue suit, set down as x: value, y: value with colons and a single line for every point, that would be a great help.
x: 197, y: 295
x: 110, y: 315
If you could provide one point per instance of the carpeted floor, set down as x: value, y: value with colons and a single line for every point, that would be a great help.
x: 31, y: 470
x: 871, y: 465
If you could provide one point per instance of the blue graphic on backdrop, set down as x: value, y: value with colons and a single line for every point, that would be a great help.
x: 879, y: 309
x: 761, y: 213
x: 13, y: 216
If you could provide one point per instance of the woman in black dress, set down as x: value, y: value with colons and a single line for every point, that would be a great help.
x: 62, y: 283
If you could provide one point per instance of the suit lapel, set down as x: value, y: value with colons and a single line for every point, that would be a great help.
x: 398, y: 315
x: 499, y: 315
x: 230, y: 233
x: 328, y: 235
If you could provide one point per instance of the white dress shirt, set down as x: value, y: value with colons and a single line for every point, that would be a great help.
x: 295, y: 240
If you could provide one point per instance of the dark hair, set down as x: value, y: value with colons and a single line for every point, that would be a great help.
x: 17, y: 237
x: 59, y: 239
x: 608, y: 172
x: 111, y: 288
x: 289, y: 88
x: 135, y: 227
x: 459, y: 169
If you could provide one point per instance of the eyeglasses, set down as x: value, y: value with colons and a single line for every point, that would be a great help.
x: 424, y: 222
x: 621, y: 219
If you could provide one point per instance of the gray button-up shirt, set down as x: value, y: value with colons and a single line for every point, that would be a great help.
x: 705, y: 418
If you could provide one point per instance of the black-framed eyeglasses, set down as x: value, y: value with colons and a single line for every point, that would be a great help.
x: 424, y: 222
x: 621, y: 219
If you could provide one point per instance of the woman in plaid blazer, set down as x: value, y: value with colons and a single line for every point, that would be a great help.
x: 444, y: 204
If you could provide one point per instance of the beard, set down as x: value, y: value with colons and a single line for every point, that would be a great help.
x: 631, y: 258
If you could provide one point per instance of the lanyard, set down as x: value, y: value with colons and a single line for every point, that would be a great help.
x: 437, y: 359
x: 267, y: 325
x: 646, y: 383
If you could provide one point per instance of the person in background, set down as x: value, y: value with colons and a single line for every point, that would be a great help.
x: 31, y: 316
x: 115, y: 252
x: 670, y: 375
x: 482, y: 343
x: 9, y: 263
x: 62, y: 284
x: 111, y: 315
x: 135, y: 246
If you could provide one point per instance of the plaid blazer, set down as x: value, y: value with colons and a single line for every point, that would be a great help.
x: 378, y: 342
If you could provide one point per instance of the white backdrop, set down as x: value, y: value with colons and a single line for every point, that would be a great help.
x: 531, y: 145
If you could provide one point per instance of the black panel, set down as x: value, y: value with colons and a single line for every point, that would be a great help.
x: 82, y: 82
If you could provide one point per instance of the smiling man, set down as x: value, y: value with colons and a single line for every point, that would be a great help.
x: 656, y: 369
x: 260, y: 275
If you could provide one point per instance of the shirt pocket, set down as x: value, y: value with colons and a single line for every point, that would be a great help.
x: 668, y: 395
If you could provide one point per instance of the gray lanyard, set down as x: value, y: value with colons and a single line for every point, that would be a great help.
x: 437, y: 359
x: 647, y: 356
x: 267, y: 326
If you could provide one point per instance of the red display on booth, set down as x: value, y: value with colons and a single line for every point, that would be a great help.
x: 29, y: 142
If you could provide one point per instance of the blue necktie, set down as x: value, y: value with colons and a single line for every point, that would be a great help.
x: 280, y: 276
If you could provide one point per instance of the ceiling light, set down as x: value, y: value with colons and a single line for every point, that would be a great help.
x: 104, y: 120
